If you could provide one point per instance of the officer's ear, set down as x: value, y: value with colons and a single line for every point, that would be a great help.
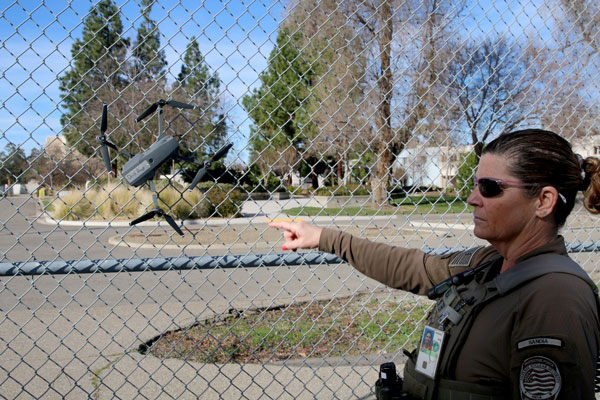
x: 546, y: 201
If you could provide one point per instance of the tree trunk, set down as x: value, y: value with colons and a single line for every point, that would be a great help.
x: 340, y: 171
x: 380, y: 181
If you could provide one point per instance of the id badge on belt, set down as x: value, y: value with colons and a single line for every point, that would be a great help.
x: 430, y: 351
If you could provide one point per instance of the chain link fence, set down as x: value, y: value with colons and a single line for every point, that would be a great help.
x: 366, y: 116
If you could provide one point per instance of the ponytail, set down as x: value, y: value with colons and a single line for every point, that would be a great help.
x: 591, y: 184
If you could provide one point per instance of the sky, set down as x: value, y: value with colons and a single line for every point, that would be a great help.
x: 36, y: 36
x: 235, y: 37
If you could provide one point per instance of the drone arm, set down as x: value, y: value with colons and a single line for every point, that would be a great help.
x: 199, y: 175
x: 207, y: 164
x: 126, y: 154
x: 222, y: 152
x: 109, y: 144
x: 158, y: 211
x: 147, y: 112
x: 154, y: 196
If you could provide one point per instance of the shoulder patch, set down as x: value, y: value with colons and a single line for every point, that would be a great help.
x: 463, y: 259
x: 539, y: 341
x: 539, y: 379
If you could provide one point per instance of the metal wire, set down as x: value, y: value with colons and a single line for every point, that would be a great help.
x: 364, y: 116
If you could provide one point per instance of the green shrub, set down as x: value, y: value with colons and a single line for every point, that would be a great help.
x: 167, y: 198
x: 273, y: 183
x: 83, y: 208
x: 131, y: 202
x: 464, y: 178
x: 359, y: 190
x: 222, y: 202
x: 293, y: 189
x: 105, y: 207
x: 298, y: 190
x: 190, y: 206
x: 58, y: 209
x: 206, y: 186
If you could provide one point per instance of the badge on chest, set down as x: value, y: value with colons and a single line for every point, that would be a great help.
x: 430, y: 351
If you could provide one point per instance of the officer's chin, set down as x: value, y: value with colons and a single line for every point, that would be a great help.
x: 479, y: 231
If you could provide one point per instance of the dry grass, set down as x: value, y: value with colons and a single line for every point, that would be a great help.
x: 73, y: 206
x: 122, y: 202
x: 338, y: 327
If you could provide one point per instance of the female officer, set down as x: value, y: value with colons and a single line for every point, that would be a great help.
x: 526, y: 324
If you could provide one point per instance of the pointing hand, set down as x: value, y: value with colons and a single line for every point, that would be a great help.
x: 298, y: 235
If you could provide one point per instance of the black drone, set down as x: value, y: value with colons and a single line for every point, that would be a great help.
x: 141, y: 168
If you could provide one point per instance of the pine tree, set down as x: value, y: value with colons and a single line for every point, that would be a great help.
x: 13, y: 165
x: 149, y: 59
x: 278, y: 106
x: 201, y: 88
x: 97, y: 70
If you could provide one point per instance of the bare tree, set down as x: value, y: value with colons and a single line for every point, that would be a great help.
x: 410, y: 41
x: 279, y: 161
x: 376, y: 20
x: 576, y: 111
x: 494, y: 84
x: 330, y: 43
x: 584, y: 15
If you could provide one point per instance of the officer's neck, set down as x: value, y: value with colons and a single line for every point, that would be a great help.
x: 512, y: 251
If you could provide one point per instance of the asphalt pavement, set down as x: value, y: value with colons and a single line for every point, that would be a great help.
x: 77, y: 336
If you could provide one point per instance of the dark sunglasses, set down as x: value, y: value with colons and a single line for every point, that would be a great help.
x: 490, y: 187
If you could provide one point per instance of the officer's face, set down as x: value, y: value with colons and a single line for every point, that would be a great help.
x: 506, y: 218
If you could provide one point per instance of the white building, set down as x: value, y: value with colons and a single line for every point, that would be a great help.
x: 437, y: 166
x: 430, y: 166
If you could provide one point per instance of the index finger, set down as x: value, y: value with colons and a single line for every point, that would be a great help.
x: 287, y: 225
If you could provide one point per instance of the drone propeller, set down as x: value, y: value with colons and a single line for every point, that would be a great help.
x: 162, y: 103
x: 202, y: 171
x: 104, y: 143
x: 157, y: 212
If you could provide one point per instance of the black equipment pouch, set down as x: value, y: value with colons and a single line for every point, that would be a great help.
x: 389, y: 384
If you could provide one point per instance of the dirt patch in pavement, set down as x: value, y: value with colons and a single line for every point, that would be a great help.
x: 357, y: 325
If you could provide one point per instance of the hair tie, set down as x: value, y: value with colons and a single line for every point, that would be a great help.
x: 583, y: 185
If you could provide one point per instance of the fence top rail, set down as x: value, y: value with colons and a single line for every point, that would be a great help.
x: 206, y: 262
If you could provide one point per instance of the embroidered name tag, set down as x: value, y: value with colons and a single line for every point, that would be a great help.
x: 540, y: 341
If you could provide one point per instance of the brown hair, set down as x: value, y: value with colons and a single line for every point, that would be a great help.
x: 591, y: 186
x: 547, y: 159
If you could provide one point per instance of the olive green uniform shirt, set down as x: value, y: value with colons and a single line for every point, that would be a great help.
x: 553, y: 317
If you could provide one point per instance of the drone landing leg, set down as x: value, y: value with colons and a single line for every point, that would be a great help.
x: 158, y: 211
x: 154, y: 196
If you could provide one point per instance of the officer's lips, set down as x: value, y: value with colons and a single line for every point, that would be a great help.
x: 478, y: 219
